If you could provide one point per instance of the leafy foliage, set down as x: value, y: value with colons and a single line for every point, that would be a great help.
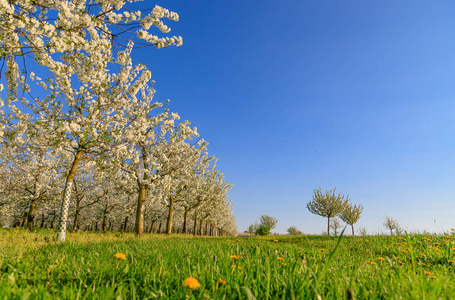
x: 263, y: 230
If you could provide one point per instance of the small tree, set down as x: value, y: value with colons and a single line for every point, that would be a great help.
x: 327, y: 205
x: 351, y: 214
x: 268, y: 221
x: 391, y: 224
x: 294, y: 231
x: 362, y: 231
x: 335, y: 224
x: 263, y: 230
x: 253, y: 228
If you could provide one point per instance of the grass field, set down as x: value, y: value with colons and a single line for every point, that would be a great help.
x: 299, y: 267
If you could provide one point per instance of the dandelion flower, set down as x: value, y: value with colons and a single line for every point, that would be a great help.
x: 373, y: 263
x: 221, y: 281
x: 450, y: 261
x: 433, y: 277
x: 239, y: 267
x: 120, y: 256
x: 47, y: 283
x: 275, y: 241
x: 380, y: 258
x: 235, y: 257
x: 322, y: 250
x: 428, y: 273
x: 191, y: 283
x: 437, y: 244
x: 280, y: 258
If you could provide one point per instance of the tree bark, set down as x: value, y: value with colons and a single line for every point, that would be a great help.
x: 76, y: 218
x: 31, y: 213
x: 42, y: 220
x: 139, y: 229
x: 352, y: 226
x: 185, y: 222
x: 125, y: 223
x: 201, y: 228
x: 103, y: 226
x: 195, y: 226
x: 169, y: 217
x: 328, y: 226
x: 67, y: 196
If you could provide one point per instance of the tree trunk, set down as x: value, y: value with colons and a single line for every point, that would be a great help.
x: 54, y: 216
x: 185, y: 222
x: 67, y: 196
x: 201, y: 229
x: 169, y: 217
x: 328, y: 226
x: 103, y: 226
x: 206, y: 228
x: 139, y: 229
x: 159, y: 228
x: 151, y: 226
x: 23, y: 220
x: 76, y: 218
x: 195, y: 226
x: 31, y: 214
x: 125, y: 223
x: 352, y: 226
x: 42, y: 220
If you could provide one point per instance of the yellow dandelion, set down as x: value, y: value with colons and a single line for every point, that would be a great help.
x: 120, y: 256
x: 453, y: 248
x: 437, y: 244
x: 191, y: 283
x: 373, y: 263
x: 380, y: 258
x: 221, y: 281
x: 433, y: 277
x: 284, y: 264
x: 367, y: 261
x: 239, y: 267
x: 275, y: 241
x: 235, y: 257
x: 322, y: 250
x: 423, y: 254
x: 428, y: 273
x: 280, y: 258
x: 450, y: 261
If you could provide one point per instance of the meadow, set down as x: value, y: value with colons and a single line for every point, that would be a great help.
x: 116, y: 266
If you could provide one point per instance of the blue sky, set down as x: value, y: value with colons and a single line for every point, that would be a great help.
x: 296, y: 95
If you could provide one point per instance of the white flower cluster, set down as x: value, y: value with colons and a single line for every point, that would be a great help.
x: 105, y: 123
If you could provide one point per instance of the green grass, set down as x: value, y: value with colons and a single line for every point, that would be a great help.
x: 414, y: 267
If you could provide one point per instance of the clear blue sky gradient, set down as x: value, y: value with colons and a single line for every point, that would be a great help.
x: 296, y: 95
